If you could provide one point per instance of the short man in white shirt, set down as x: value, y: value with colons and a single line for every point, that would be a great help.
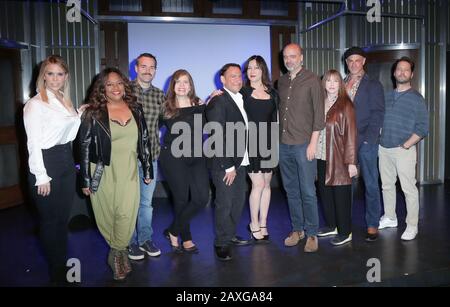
x: 228, y: 168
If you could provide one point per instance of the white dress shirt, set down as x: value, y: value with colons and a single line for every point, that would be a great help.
x: 237, y: 98
x: 47, y: 125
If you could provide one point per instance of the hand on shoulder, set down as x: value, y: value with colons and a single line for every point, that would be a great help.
x: 214, y: 94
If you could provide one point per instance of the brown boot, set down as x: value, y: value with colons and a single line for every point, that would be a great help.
x: 125, y: 262
x: 116, y: 264
x: 312, y: 245
x: 293, y: 238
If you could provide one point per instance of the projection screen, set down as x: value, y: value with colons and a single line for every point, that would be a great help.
x: 201, y: 49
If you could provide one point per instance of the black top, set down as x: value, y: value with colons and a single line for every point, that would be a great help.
x: 260, y: 111
x: 185, y: 118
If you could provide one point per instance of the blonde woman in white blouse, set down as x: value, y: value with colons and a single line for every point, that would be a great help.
x: 51, y: 124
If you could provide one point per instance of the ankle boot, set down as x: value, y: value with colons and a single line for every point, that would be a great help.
x: 126, y: 263
x: 116, y: 264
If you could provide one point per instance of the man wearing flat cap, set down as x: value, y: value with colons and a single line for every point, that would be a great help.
x: 368, y: 98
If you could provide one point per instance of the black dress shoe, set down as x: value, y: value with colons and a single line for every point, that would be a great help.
x: 239, y: 241
x: 223, y: 253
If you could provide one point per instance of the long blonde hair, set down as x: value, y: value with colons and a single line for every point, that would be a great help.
x: 40, y: 82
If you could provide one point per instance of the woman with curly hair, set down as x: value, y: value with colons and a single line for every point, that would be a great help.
x: 113, y: 134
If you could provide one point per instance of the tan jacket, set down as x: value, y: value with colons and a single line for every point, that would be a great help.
x: 340, y: 142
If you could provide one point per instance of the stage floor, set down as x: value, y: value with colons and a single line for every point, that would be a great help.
x: 424, y: 261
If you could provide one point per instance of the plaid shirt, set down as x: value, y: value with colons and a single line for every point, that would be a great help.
x: 151, y: 100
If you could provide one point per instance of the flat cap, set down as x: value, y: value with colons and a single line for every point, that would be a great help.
x: 354, y: 50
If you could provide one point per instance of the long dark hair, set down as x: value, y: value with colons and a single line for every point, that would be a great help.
x: 171, y: 107
x: 98, y: 100
x: 265, y: 78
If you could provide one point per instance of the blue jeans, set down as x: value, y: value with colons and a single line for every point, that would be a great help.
x: 368, y: 162
x: 298, y: 176
x: 144, y: 231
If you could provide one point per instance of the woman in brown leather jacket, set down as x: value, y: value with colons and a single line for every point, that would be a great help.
x: 336, y: 160
x: 113, y: 135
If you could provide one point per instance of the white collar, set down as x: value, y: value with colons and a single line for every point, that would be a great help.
x: 233, y: 95
x: 50, y: 94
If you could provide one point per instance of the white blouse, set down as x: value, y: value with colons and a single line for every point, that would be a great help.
x: 46, y: 125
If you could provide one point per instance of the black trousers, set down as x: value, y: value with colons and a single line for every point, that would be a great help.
x: 185, y: 176
x: 229, y: 203
x: 54, y: 209
x: 336, y: 202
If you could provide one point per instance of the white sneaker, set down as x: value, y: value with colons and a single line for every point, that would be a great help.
x: 386, y: 222
x: 410, y: 233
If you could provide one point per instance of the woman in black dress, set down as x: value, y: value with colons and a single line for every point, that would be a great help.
x: 182, y: 163
x: 260, y: 103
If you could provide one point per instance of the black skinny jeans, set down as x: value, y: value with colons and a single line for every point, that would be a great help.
x: 336, y: 202
x: 185, y: 176
x: 54, y: 209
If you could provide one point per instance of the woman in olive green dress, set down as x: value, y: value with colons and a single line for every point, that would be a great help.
x: 113, y: 135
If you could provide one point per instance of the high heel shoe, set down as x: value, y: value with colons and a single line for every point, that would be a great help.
x: 266, y: 237
x: 175, y: 248
x: 190, y: 250
x: 253, y: 236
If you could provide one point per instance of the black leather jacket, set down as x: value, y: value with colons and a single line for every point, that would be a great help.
x: 95, y: 142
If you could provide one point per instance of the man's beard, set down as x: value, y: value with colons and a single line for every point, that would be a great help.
x: 403, y: 81
x: 292, y: 68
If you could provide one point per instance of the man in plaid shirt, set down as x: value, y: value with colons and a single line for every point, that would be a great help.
x: 151, y: 98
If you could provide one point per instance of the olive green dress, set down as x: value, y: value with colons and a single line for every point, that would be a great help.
x: 116, y: 202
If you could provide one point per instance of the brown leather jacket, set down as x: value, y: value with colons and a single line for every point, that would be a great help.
x: 340, y: 142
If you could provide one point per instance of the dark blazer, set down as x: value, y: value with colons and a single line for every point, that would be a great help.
x: 369, y: 107
x: 95, y: 143
x: 222, y: 109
